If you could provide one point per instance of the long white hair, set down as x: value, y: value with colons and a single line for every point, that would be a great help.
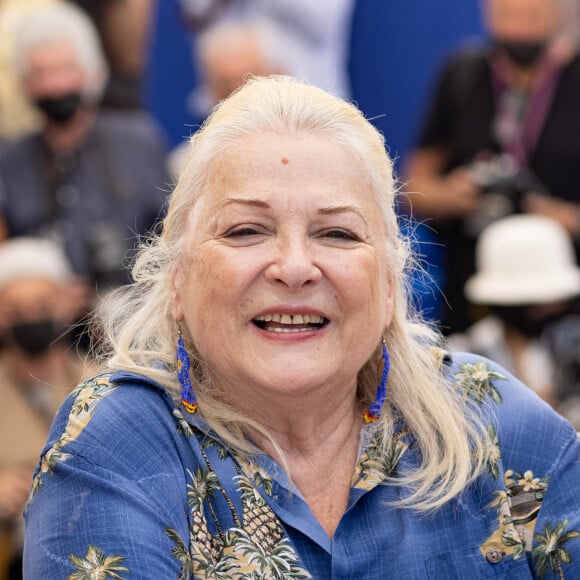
x: 140, y: 332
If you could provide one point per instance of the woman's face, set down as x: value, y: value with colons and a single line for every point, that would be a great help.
x: 284, y: 284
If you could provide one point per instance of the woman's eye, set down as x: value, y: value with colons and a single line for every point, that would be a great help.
x: 242, y: 232
x: 341, y: 235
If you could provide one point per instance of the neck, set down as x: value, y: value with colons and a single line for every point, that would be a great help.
x: 67, y: 137
x: 303, y: 437
x: 301, y: 423
x: 319, y: 446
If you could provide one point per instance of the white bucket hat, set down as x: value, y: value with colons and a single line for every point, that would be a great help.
x: 27, y: 257
x: 524, y: 259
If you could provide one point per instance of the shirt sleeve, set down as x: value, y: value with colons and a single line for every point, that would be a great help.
x: 108, y: 497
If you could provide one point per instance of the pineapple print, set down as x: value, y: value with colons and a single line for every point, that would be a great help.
x: 258, y: 519
x: 203, y: 486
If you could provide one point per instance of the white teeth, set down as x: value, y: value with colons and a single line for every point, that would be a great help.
x: 289, y: 319
x: 279, y: 329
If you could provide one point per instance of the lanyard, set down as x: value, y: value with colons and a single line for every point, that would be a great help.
x: 520, y: 117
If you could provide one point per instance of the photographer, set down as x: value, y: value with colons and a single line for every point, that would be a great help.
x: 91, y: 180
x: 500, y: 137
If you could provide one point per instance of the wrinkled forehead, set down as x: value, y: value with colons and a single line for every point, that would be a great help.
x: 266, y: 161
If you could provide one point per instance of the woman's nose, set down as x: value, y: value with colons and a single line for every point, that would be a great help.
x: 294, y: 265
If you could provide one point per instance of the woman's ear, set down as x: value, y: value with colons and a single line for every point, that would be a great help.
x: 175, y: 302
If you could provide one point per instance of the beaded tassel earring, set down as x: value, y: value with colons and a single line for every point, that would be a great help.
x: 183, y: 364
x: 373, y: 413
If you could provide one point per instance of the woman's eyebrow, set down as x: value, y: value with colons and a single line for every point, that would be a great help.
x: 335, y: 209
x: 244, y: 201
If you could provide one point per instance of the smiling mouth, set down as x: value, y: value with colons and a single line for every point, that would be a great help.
x: 290, y: 323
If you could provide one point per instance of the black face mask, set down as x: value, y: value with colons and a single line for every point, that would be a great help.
x: 34, y: 338
x: 519, y: 317
x: 523, y: 53
x: 60, y: 109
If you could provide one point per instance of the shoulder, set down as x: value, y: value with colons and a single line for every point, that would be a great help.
x: 112, y: 478
x: 115, y: 420
x: 529, y: 432
x: 19, y: 151
x: 468, y: 59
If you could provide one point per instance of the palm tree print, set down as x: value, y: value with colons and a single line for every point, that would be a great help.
x: 492, y: 452
x: 526, y: 482
x: 183, y: 427
x: 90, y: 392
x: 96, y: 566
x: 475, y: 382
x: 181, y: 553
x: 222, y: 452
x: 379, y: 463
x: 549, y: 554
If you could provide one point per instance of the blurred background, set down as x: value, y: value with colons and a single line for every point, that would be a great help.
x: 395, y: 51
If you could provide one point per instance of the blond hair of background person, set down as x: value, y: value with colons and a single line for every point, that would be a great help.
x: 17, y: 116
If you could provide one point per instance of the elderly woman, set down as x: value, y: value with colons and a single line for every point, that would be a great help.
x: 273, y: 411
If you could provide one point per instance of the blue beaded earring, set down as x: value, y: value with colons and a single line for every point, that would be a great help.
x: 373, y: 413
x: 188, y: 398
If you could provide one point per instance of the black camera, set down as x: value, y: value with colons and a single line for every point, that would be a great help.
x: 107, y: 247
x: 504, y: 184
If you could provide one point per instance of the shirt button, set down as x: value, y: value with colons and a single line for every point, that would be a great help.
x: 493, y: 555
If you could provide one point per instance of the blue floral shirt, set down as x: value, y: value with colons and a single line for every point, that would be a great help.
x: 131, y: 486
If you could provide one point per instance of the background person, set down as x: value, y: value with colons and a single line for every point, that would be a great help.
x: 17, y: 115
x: 229, y: 52
x: 91, y: 180
x: 38, y: 369
x: 527, y: 277
x: 315, y: 35
x: 499, y: 138
x: 273, y: 410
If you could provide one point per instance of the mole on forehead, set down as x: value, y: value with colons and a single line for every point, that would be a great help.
x: 285, y: 160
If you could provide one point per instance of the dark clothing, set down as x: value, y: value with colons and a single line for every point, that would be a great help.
x: 461, y: 120
x: 124, y: 89
x: 95, y: 201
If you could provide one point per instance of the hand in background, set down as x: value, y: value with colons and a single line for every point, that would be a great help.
x: 564, y: 212
x: 14, y: 487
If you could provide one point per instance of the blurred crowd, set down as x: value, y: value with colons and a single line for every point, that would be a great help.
x: 85, y: 170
